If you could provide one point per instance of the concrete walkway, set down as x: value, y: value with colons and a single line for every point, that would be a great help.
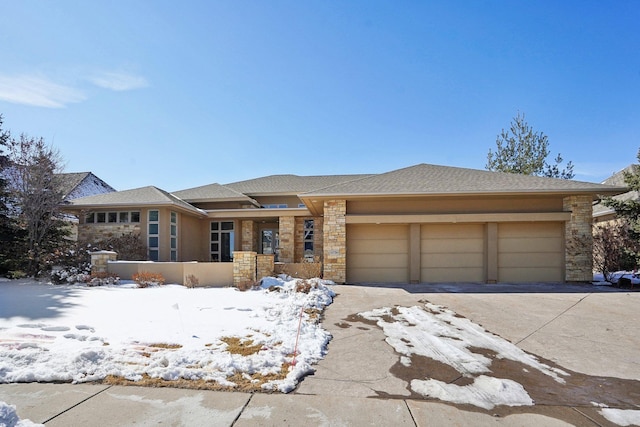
x: 587, y: 330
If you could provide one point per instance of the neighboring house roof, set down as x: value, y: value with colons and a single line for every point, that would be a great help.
x: 617, y: 179
x: 289, y: 184
x: 425, y: 179
x: 144, y: 196
x: 81, y: 184
x: 213, y: 192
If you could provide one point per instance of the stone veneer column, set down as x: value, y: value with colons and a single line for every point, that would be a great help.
x: 265, y: 265
x: 335, y: 240
x: 286, y: 229
x: 249, y: 235
x: 100, y: 261
x: 244, y: 267
x: 578, y: 239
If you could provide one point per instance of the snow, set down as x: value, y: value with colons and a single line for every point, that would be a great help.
x: 9, y: 417
x: 79, y: 334
x: 438, y: 333
x: 622, y: 417
x: 634, y: 276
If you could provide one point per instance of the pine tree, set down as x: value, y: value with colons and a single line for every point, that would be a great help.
x: 629, y: 209
x: 523, y: 151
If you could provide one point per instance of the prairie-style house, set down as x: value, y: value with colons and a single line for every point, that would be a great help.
x: 424, y: 223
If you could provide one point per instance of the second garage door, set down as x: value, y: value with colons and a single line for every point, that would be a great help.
x: 452, y: 253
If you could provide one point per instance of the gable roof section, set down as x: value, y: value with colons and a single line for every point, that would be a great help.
x: 425, y: 179
x: 289, y: 184
x: 79, y: 184
x: 617, y: 179
x: 144, y: 196
x: 213, y: 193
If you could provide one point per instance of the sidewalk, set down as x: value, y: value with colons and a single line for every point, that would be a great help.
x: 590, y: 333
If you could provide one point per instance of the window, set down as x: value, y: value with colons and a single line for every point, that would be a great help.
x: 308, y: 239
x: 111, y: 217
x: 222, y: 241
x: 302, y: 205
x: 173, y: 232
x: 276, y: 206
x: 153, y: 236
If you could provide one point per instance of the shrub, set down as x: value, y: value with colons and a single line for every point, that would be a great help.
x: 191, y: 281
x: 129, y: 247
x: 144, y: 279
x: 102, y: 279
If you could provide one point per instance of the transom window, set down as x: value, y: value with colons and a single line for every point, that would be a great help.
x: 112, y: 217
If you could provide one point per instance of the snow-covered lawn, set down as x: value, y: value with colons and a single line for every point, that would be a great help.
x: 261, y: 339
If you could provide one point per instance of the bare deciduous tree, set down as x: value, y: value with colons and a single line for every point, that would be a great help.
x: 614, y: 247
x: 35, y: 196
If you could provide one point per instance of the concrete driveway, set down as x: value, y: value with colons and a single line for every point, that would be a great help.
x: 588, y: 331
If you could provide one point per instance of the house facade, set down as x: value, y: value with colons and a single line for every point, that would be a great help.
x: 425, y: 223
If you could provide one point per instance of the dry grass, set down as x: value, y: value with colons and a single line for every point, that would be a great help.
x: 243, y: 382
x: 242, y: 347
x: 166, y: 346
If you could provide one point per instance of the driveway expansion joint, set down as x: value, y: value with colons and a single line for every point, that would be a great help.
x: 78, y: 404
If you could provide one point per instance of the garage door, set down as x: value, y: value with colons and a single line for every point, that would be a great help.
x: 452, y: 253
x: 377, y: 253
x: 530, y: 252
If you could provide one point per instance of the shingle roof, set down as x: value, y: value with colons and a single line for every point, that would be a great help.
x: 617, y: 180
x: 289, y: 184
x: 77, y: 184
x: 67, y: 182
x: 425, y: 179
x: 212, y: 192
x: 144, y: 196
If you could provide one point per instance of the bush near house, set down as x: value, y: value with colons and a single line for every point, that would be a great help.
x: 144, y: 279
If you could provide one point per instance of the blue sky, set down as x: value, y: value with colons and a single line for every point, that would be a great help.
x: 182, y: 94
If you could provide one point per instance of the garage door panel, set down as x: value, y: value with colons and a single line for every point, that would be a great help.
x: 450, y: 260
x: 378, y: 246
x: 540, y: 274
x: 468, y: 245
x: 531, y: 244
x: 376, y: 232
x: 445, y: 275
x: 373, y: 260
x: 378, y: 275
x: 531, y: 260
x: 520, y: 230
x: 451, y: 231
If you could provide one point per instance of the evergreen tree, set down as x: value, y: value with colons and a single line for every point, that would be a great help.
x: 8, y: 229
x: 629, y: 209
x: 521, y: 150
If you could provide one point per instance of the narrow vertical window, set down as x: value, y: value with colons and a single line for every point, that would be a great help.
x: 308, y: 239
x: 222, y: 241
x: 153, y: 234
x: 174, y: 236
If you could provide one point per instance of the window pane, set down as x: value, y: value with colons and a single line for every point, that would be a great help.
x: 227, y: 247
x: 124, y: 217
x: 154, y: 255
x: 308, y: 224
x: 112, y: 217
x: 214, y: 226
x: 227, y: 225
x: 173, y: 243
x: 215, y: 247
x: 174, y: 256
x: 174, y: 230
x: 90, y: 218
x: 153, y: 242
x: 135, y: 216
x: 102, y: 217
x: 215, y: 257
x: 153, y: 228
x: 308, y: 246
x: 153, y: 215
x: 174, y: 217
x: 215, y: 237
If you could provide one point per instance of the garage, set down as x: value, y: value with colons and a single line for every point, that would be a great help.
x: 452, y: 253
x: 531, y: 252
x: 377, y: 253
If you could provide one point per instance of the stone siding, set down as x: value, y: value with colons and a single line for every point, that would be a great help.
x: 335, y: 240
x: 287, y: 243
x: 249, y: 236
x: 578, y: 239
x: 98, y: 232
x: 265, y: 265
x: 100, y: 261
x: 244, y: 267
